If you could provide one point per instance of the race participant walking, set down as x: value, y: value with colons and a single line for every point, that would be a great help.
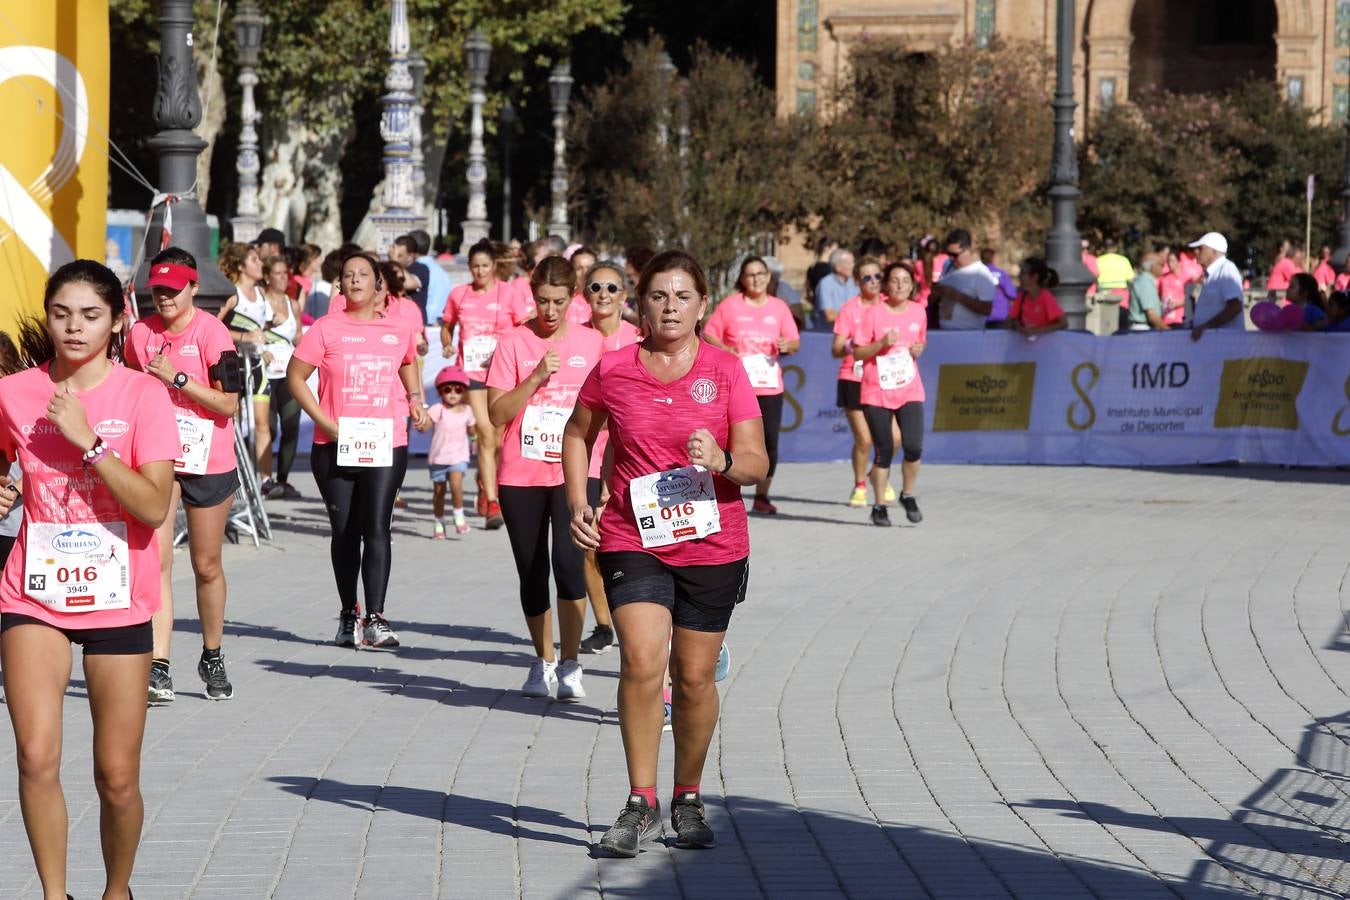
x: 191, y: 352
x: 248, y: 315
x: 484, y: 310
x: 606, y: 290
x: 97, y: 442
x: 536, y: 372
x: 848, y: 392
x: 673, y: 542
x: 279, y: 339
x: 759, y: 329
x: 448, y: 456
x: 889, y: 340
x: 360, y: 451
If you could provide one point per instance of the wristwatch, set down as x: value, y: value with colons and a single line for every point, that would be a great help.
x: 180, y: 380
x: 727, y: 467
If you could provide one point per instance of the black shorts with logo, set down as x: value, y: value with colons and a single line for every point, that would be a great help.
x: 848, y: 394
x: 202, y: 491
x: 700, y: 598
x: 122, y: 641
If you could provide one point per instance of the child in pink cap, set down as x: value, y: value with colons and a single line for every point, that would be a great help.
x: 448, y: 458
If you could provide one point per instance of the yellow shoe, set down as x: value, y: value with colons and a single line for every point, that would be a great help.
x: 858, y: 497
x: 890, y: 494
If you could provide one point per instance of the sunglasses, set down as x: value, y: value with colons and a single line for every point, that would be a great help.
x: 870, y: 278
x: 450, y: 389
x: 598, y: 286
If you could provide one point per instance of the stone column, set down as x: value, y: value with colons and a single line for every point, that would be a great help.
x: 399, y: 198
x: 560, y: 92
x: 248, y: 27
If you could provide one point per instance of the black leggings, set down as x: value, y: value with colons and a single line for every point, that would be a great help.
x: 910, y: 418
x: 771, y: 408
x: 360, y: 504
x: 284, y: 410
x: 529, y: 512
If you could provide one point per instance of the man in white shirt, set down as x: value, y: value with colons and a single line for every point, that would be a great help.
x: 1219, y: 304
x: 966, y: 292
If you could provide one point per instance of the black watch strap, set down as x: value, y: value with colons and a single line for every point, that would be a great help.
x: 727, y: 467
x: 180, y: 380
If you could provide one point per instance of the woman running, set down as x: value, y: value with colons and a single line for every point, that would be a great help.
x: 758, y: 328
x: 606, y: 289
x: 360, y: 450
x: 189, y: 350
x: 483, y: 311
x: 889, y: 340
x: 685, y: 435
x: 279, y: 339
x: 848, y: 393
x: 97, y: 442
x: 536, y: 373
x: 248, y: 316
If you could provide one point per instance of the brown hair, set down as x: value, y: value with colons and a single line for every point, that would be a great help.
x: 393, y: 276
x: 370, y: 260
x: 673, y: 261
x: 749, y: 260
x: 904, y: 265
x: 553, y: 271
x: 871, y: 261
x: 272, y: 260
x: 232, y: 257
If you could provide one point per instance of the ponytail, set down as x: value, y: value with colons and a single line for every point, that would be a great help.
x: 1046, y: 277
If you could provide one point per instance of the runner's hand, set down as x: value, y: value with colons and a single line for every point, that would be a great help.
x: 161, y: 368
x: 916, y: 350
x: 890, y: 337
x: 585, y: 534
x: 329, y: 428
x: 66, y: 412
x: 9, y: 495
x: 421, y: 418
x: 547, y: 366
x: 703, y: 451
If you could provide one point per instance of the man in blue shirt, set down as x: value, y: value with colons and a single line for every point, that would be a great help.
x: 437, y: 284
x: 834, y: 290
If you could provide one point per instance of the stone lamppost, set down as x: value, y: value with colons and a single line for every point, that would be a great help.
x: 477, y: 58
x: 508, y: 124
x: 417, y: 67
x: 396, y: 127
x: 560, y: 92
x: 248, y: 29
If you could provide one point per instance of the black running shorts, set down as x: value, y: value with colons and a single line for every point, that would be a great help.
x: 700, y: 598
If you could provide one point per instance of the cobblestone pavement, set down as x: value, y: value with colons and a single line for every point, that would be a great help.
x: 1064, y: 683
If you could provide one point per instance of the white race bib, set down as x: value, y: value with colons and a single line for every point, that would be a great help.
x: 194, y: 436
x: 675, y: 506
x: 895, y: 370
x: 367, y: 443
x: 762, y: 369
x: 78, y: 568
x: 281, y: 358
x: 478, y: 352
x: 858, y: 369
x: 541, y: 431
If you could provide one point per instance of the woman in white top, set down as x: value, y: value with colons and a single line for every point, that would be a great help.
x: 248, y: 315
x: 279, y: 341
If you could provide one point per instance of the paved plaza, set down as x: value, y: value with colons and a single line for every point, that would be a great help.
x: 1064, y: 683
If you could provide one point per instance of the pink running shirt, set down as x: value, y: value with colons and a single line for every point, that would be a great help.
x: 1039, y: 310
x: 846, y: 324
x: 624, y: 337
x: 399, y: 309
x: 1281, y: 274
x: 649, y: 425
x: 912, y: 323
x: 358, y: 363
x: 193, y: 351
x: 518, y: 352
x: 449, y: 434
x: 749, y: 330
x: 131, y: 411
x: 579, y: 311
x: 482, y: 315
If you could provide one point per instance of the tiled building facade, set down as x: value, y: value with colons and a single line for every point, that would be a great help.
x: 1123, y: 46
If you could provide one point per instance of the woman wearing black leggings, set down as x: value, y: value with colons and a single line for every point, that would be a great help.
x: 360, y: 450
x: 283, y: 414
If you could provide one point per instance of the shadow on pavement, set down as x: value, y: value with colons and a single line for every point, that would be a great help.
x: 1255, y: 472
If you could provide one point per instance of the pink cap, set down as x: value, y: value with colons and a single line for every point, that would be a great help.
x: 452, y: 375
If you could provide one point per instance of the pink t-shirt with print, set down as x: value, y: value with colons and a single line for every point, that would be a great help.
x: 449, y: 434
x: 518, y: 353
x: 625, y: 336
x: 192, y: 351
x: 358, y: 362
x: 131, y: 411
x: 846, y: 325
x: 481, y: 315
x: 749, y: 330
x: 912, y: 325
x: 649, y: 424
x: 400, y: 309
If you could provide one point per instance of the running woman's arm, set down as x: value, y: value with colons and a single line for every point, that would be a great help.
x: 578, y: 442
x: 9, y: 491
x: 749, y: 459
x: 297, y: 375
x: 503, y: 406
x: 224, y: 312
x: 841, y: 346
x: 417, y: 403
x: 867, y: 351
x: 208, y: 397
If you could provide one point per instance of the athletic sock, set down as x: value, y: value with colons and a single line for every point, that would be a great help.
x: 210, y: 653
x: 647, y: 793
x: 860, y: 484
x: 682, y: 790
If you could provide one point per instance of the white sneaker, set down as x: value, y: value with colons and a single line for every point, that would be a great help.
x: 569, y: 681
x: 542, y: 679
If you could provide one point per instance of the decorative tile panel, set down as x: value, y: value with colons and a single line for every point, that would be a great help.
x: 984, y: 22
x: 808, y: 14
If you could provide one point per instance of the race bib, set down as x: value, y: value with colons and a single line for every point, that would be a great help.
x: 78, y: 568
x: 281, y: 358
x: 895, y: 370
x: 762, y: 369
x: 478, y: 352
x: 675, y: 506
x: 858, y: 369
x: 367, y: 443
x: 541, y: 431
x: 194, y: 436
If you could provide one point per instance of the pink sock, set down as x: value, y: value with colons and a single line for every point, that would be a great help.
x: 648, y: 794
x: 683, y: 789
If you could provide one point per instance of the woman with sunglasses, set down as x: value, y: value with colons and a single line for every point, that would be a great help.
x: 579, y: 310
x: 848, y: 393
x: 758, y: 328
x: 283, y: 330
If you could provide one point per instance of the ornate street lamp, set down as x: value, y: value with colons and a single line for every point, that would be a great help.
x: 1340, y: 260
x: 666, y: 67
x: 177, y: 110
x: 248, y: 29
x: 1064, y: 245
x: 400, y: 202
x: 508, y: 115
x: 477, y: 57
x: 417, y: 67
x: 560, y: 92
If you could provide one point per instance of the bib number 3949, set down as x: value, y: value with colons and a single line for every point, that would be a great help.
x: 366, y: 443
x: 194, y: 437
x: 541, y: 431
x: 675, y: 506
x: 78, y: 568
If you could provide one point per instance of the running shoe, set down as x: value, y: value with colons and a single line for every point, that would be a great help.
x: 161, y: 683
x: 461, y: 524
x: 690, y: 822
x: 637, y: 822
x: 858, y: 498
x: 278, y: 492
x: 377, y: 633
x: 600, y: 641
x: 542, y: 679
x: 723, y: 664
x: 889, y: 496
x: 266, y: 487
x: 569, y: 681
x: 764, y: 507
x: 494, y: 516
x: 211, y: 670
x: 911, y: 508
x: 346, y: 633
x: 438, y: 532
x: 289, y: 492
x: 880, y: 516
